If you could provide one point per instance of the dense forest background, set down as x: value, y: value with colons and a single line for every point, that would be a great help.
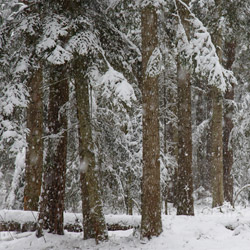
x: 123, y: 107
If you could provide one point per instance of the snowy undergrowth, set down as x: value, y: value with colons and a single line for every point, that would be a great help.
x: 210, y: 229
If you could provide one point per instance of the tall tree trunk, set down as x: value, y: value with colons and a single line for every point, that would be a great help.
x: 209, y: 138
x: 34, y: 151
x: 216, y: 124
x: 185, y: 202
x: 52, y: 205
x: 217, y: 149
x: 228, y: 126
x: 94, y: 221
x: 151, y: 201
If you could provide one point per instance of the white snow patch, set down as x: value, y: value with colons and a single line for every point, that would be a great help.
x: 59, y: 55
x: 115, y: 85
x: 214, y: 231
x: 83, y: 166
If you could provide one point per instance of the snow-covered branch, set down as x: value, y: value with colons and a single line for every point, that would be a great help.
x: 155, y: 66
x: 201, y: 49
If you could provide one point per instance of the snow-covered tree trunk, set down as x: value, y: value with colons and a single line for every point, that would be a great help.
x: 185, y: 200
x: 52, y: 204
x: 209, y: 137
x: 216, y: 123
x: 184, y: 172
x: 151, y: 224
x: 217, y: 148
x: 92, y: 207
x: 34, y: 151
x: 230, y: 50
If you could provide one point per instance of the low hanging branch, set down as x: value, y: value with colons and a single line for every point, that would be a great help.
x: 239, y: 191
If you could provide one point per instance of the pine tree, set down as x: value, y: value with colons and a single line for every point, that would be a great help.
x: 230, y: 50
x: 185, y: 201
x: 216, y: 123
x: 34, y: 151
x: 94, y: 221
x: 151, y: 202
x: 233, y: 24
x: 52, y: 205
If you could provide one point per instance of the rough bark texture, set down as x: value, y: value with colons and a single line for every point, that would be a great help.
x: 94, y: 221
x: 217, y: 149
x: 34, y: 151
x: 209, y: 138
x: 52, y: 206
x: 185, y: 202
x: 228, y: 126
x: 88, y: 227
x: 151, y: 201
x: 217, y: 126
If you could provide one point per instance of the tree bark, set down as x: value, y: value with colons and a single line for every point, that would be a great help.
x: 151, y: 201
x: 209, y: 138
x: 185, y: 202
x: 217, y: 149
x: 228, y: 126
x: 216, y: 124
x: 94, y: 221
x: 34, y: 151
x: 52, y: 205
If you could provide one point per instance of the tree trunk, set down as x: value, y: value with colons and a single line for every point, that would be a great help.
x: 129, y: 199
x: 209, y: 138
x: 228, y: 126
x: 217, y: 149
x: 185, y: 202
x: 88, y: 225
x: 216, y: 125
x: 151, y: 201
x: 94, y: 221
x: 52, y: 206
x: 34, y: 151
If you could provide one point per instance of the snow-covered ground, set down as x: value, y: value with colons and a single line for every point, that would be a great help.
x: 209, y: 229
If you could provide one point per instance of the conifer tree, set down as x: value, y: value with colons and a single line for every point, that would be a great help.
x: 93, y: 217
x: 151, y: 224
x: 52, y: 204
x: 216, y: 122
x: 185, y: 201
x: 228, y: 159
x: 34, y: 151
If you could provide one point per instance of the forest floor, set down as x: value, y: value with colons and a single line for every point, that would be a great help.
x: 209, y: 229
